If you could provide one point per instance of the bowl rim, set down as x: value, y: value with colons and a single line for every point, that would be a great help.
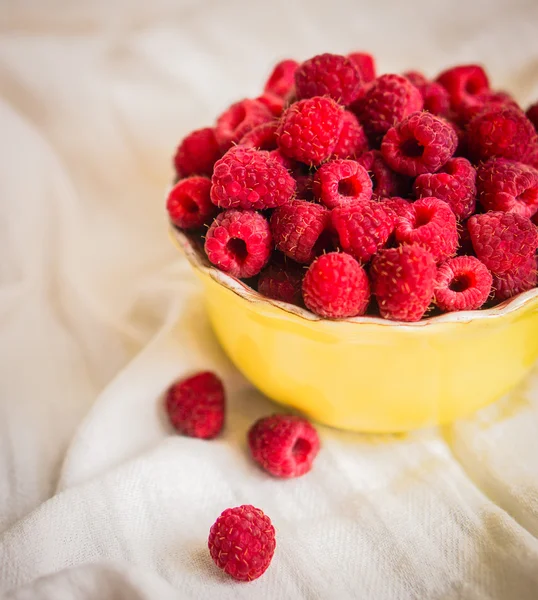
x: 200, y: 262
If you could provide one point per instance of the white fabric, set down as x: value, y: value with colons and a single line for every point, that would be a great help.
x: 98, y: 314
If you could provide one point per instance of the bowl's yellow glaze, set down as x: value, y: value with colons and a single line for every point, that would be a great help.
x: 368, y: 374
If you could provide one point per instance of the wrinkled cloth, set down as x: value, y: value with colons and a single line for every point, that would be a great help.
x: 99, y: 313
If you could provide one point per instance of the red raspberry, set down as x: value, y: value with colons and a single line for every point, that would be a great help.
x: 282, y: 282
x: 502, y: 241
x: 515, y: 281
x: 390, y: 99
x: 508, y: 186
x: 500, y: 133
x: 463, y: 83
x: 399, y: 206
x: 342, y: 183
x: 274, y: 103
x: 197, y: 153
x: 239, y: 119
x: 365, y: 64
x: 402, y: 281
x: 486, y: 100
x: 282, y: 79
x: 297, y: 229
x: 249, y: 178
x: 239, y: 242
x: 421, y: 143
x: 262, y: 137
x: 385, y: 182
x: 336, y: 287
x: 284, y: 445
x: 430, y: 224
x: 363, y: 228
x: 532, y: 158
x: 309, y: 129
x: 436, y: 100
x: 195, y: 405
x: 242, y: 542
x: 455, y: 183
x: 352, y: 140
x: 463, y: 283
x: 328, y: 75
x: 189, y: 204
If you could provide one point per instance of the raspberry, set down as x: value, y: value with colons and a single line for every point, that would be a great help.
x: 421, y: 143
x: 532, y: 158
x: 284, y: 445
x: 463, y: 83
x: 463, y: 283
x: 508, y: 186
x: 515, y: 281
x: 365, y: 65
x: 502, y: 241
x: 239, y: 119
x: 282, y: 282
x: 436, y: 100
x: 352, y: 140
x: 336, y: 287
x: 328, y: 75
x: 282, y: 78
x: 309, y: 129
x: 195, y: 405
x: 239, y: 242
x: 390, y: 99
x: 500, y: 133
x: 262, y: 137
x: 275, y: 104
x: 197, y: 153
x: 385, y: 182
x: 242, y: 542
x: 342, y: 183
x: 249, y: 178
x: 485, y: 100
x: 297, y: 229
x: 363, y: 228
x: 430, y: 224
x: 398, y: 206
x: 455, y: 183
x: 189, y: 204
x: 402, y: 281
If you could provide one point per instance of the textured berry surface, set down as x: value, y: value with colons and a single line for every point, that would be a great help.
x: 365, y: 64
x: 284, y: 445
x: 505, y: 185
x: 282, y: 78
x: 336, y: 287
x: 385, y: 182
x: 197, y: 153
x: 282, y: 282
x: 298, y: 228
x: 462, y: 283
x: 486, y: 100
x: 239, y: 242
x: 502, y: 241
x: 431, y: 224
x: 342, y: 183
x: 352, y: 141
x: 328, y: 75
x: 189, y: 205
x: 517, y: 280
x: 195, y: 405
x: 421, y: 143
x: 402, y: 281
x: 398, y: 206
x: 363, y: 228
x: 238, y: 120
x: 242, y: 542
x: 248, y: 178
x: 463, y: 83
x: 262, y: 137
x: 500, y: 133
x: 389, y: 99
x: 434, y: 95
x: 455, y: 183
x: 309, y: 129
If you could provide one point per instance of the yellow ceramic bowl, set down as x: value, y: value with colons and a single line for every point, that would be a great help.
x: 369, y: 374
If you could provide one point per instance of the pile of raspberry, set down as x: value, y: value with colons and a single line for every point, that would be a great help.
x: 350, y: 193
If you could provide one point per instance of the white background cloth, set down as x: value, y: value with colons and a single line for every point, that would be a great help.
x: 98, y: 314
